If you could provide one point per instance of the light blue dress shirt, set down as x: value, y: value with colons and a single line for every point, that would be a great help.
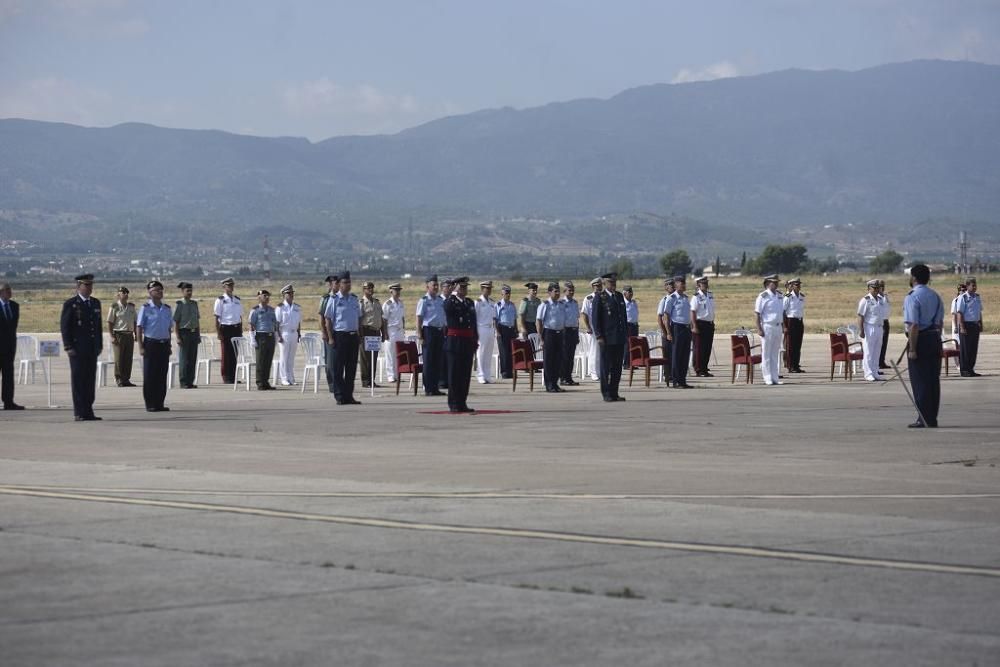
x: 680, y: 308
x: 344, y: 312
x: 506, y: 313
x: 263, y: 319
x: 971, y: 307
x: 922, y: 308
x: 571, y: 311
x: 551, y: 314
x: 431, y: 310
x: 632, y: 311
x: 155, y: 322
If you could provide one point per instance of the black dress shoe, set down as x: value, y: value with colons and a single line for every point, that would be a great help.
x: 974, y: 374
x: 353, y: 401
x: 468, y: 409
x: 609, y: 399
x: 916, y: 424
x: 437, y: 393
x: 77, y: 419
x: 150, y: 409
x: 191, y: 386
x: 163, y: 409
x: 706, y: 374
x: 620, y: 398
x: 340, y: 402
x: 91, y: 418
x: 13, y: 406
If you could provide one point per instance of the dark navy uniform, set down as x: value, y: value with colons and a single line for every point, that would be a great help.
x: 83, y: 339
x: 460, y: 343
x: 608, y: 322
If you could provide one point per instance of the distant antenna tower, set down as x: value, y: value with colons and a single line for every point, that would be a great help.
x: 267, y: 259
x: 963, y: 252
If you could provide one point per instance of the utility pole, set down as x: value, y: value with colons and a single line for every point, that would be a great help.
x: 267, y: 260
x: 963, y: 253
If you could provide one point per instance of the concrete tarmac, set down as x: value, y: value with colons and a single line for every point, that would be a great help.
x: 723, y: 525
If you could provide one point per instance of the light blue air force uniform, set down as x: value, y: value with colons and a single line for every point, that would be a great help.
x: 155, y: 322
x: 344, y: 312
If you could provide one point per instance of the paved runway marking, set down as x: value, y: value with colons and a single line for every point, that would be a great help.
x: 502, y: 495
x: 525, y: 533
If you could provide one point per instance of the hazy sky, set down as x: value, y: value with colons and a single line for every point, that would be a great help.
x: 319, y: 68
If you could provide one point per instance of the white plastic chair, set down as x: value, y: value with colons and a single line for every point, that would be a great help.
x: 582, y: 354
x: 206, y: 356
x: 244, y: 361
x: 27, y: 352
x: 107, y: 361
x: 312, y: 353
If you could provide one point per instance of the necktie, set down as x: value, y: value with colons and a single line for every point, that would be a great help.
x: 6, y: 312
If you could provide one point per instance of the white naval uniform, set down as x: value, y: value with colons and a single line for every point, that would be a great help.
x: 593, y: 354
x: 289, y: 319
x: 954, y: 324
x: 485, y: 313
x: 771, y: 307
x: 870, y: 310
x: 394, y: 313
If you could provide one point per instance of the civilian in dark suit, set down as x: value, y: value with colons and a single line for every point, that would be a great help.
x: 81, y: 325
x: 608, y: 321
x: 10, y: 312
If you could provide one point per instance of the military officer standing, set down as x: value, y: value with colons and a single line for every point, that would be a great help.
x: 571, y: 334
x: 264, y: 329
x: 10, y: 314
x: 528, y: 310
x: 486, y: 324
x: 794, y: 304
x: 960, y: 290
x: 506, y: 320
x: 121, y: 326
x: 289, y: 316
x: 769, y: 310
x: 430, y: 331
x: 187, y: 320
x: 886, y: 311
x: 608, y: 321
x: 870, y: 324
x: 332, y: 283
x: 631, y: 311
x: 702, y: 326
x: 550, y: 319
x: 460, y: 344
x: 372, y: 324
x: 343, y: 314
x: 394, y: 314
x: 663, y: 317
x: 923, y: 316
x: 679, y: 333
x: 970, y: 324
x: 228, y: 311
x: 83, y: 340
x: 587, y: 313
x: 153, y: 324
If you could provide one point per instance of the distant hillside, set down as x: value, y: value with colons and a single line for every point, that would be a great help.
x: 891, y: 144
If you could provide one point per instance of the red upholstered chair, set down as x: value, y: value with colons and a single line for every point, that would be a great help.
x: 638, y: 357
x: 523, y: 359
x: 408, y: 361
x: 949, y: 352
x: 840, y: 352
x: 743, y: 356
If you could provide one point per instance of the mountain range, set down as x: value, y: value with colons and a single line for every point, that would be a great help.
x: 889, y: 145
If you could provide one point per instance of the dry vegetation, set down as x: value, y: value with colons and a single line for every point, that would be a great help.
x: 830, y: 300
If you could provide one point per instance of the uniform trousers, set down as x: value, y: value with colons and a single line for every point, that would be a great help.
x: 487, y: 341
x: 123, y: 347
x: 7, y: 372
x: 155, y: 364
x: 265, y: 356
x: 793, y: 350
x: 571, y: 338
x: 228, y: 332
x: 871, y: 344
x: 770, y: 353
x: 702, y: 342
x: 885, y: 344
x: 433, y: 349
x: 83, y: 378
x: 395, y: 335
x: 610, y: 371
x: 968, y: 346
x: 368, y: 360
x: 187, y: 352
x: 594, y: 358
x: 552, y: 356
x: 342, y: 363
x: 458, y: 352
x: 529, y: 328
x: 506, y: 335
x: 286, y: 355
x: 680, y: 351
x: 925, y: 374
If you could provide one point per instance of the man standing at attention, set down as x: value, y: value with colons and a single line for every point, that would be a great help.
x: 528, y: 310
x: 10, y: 314
x: 372, y: 324
x: 587, y: 313
x: 153, y: 323
x: 870, y: 324
x: 486, y: 325
x: 550, y: 320
x: 121, y: 326
x: 264, y: 328
x: 332, y: 284
x: 394, y: 314
x: 343, y: 314
x: 923, y: 316
x: 83, y: 340
x: 430, y: 332
x: 970, y: 323
x: 679, y: 333
x: 506, y: 319
x: 702, y: 326
x: 228, y: 325
x: 794, y: 304
x: 571, y: 333
x: 188, y: 322
x: 608, y: 321
x: 769, y: 310
x: 289, y: 316
x: 460, y: 344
